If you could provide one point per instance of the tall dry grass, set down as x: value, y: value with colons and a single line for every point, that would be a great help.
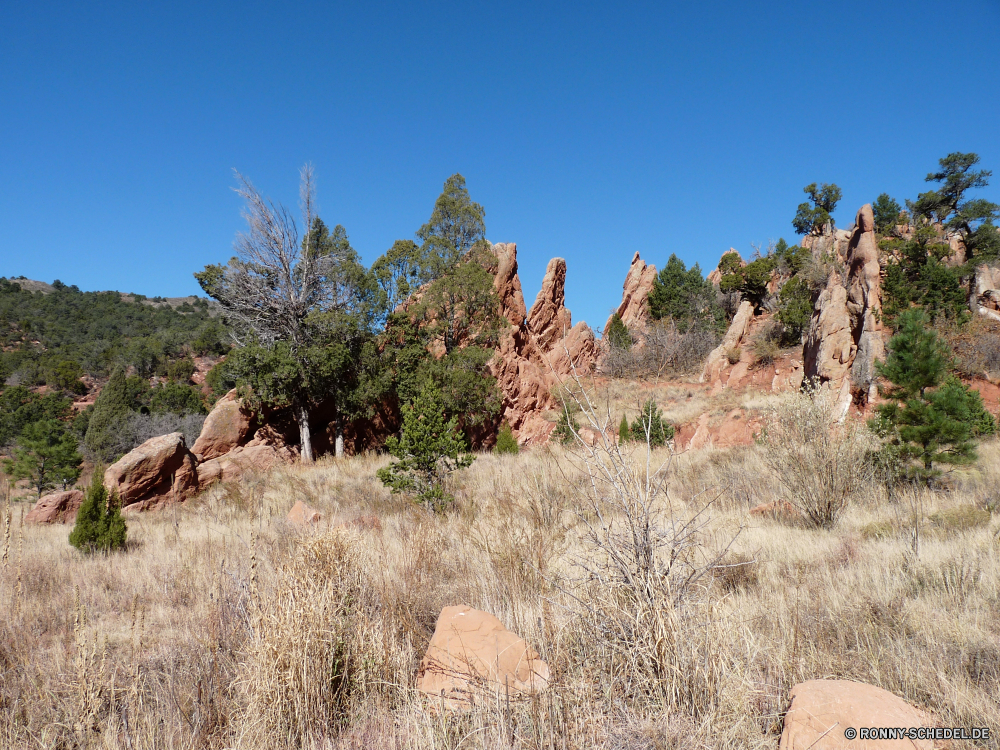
x: 220, y: 627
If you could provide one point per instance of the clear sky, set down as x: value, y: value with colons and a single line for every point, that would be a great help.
x: 587, y: 130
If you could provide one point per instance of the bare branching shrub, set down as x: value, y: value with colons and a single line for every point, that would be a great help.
x: 646, y: 570
x: 976, y: 346
x: 766, y: 345
x: 734, y: 354
x: 820, y: 465
x: 660, y: 349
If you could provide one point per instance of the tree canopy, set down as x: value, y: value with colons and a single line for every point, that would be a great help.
x: 810, y: 219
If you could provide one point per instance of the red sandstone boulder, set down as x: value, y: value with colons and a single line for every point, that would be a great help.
x: 822, y: 709
x: 735, y: 338
x: 158, y: 471
x: 472, y: 657
x: 57, y: 507
x: 303, y: 515
x: 227, y: 426
x: 240, y: 461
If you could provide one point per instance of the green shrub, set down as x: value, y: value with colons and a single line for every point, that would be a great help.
x: 99, y: 523
x: 624, y: 431
x: 506, y: 442
x: 618, y: 335
x: 650, y: 419
x: 567, y: 427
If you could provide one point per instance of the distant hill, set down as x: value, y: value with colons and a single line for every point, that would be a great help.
x: 33, y: 285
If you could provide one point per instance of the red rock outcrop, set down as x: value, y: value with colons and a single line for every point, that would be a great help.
x: 229, y: 425
x: 507, y: 283
x: 472, y: 657
x: 57, y: 507
x: 734, y: 339
x: 822, y: 709
x: 303, y: 515
x: 240, y: 461
x: 986, y: 300
x: 160, y: 470
x: 715, y: 275
x: 548, y: 318
x: 634, y: 309
x: 845, y: 334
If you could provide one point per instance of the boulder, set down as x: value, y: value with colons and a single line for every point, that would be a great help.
x: 548, y: 319
x: 158, y: 471
x: 472, y: 657
x: 56, y: 507
x: 303, y: 515
x: 576, y: 352
x: 822, y: 709
x: 634, y: 309
x: 240, y: 461
x: 228, y: 425
x: 735, y: 337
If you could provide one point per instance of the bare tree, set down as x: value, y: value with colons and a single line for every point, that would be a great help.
x: 275, y: 286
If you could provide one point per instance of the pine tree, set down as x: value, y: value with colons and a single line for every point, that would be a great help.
x: 99, y: 523
x: 617, y: 334
x: 567, y: 427
x: 650, y: 423
x: 45, y: 454
x: 933, y: 417
x: 624, y: 431
x: 427, y: 451
x: 111, y: 410
x: 506, y: 442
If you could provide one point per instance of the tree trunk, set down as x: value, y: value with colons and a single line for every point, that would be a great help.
x: 305, y: 438
x: 338, y: 440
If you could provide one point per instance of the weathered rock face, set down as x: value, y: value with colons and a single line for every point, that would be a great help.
x: 229, y: 425
x: 240, y: 461
x: 822, y: 709
x: 735, y: 337
x: 634, y: 309
x: 158, y: 471
x: 508, y: 284
x: 845, y: 336
x: 548, y: 318
x: 303, y: 515
x: 986, y: 300
x: 57, y: 507
x: 472, y: 657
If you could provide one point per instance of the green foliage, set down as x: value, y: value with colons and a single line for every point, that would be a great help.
x: 398, y: 272
x: 685, y: 297
x: 649, y: 424
x: 111, y: 410
x: 19, y: 407
x: 931, y: 418
x: 46, y: 455
x: 624, y: 431
x: 181, y: 370
x: 456, y: 225
x: 65, y: 375
x: 221, y: 379
x: 915, y: 275
x: 618, y: 335
x: 750, y: 280
x: 506, y: 442
x: 567, y: 427
x: 794, y: 310
x: 812, y: 218
x: 175, y: 398
x: 99, y: 524
x: 428, y: 450
x: 792, y: 259
x: 886, y: 212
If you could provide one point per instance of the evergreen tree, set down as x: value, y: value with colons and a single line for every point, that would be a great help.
x: 886, y: 212
x: 99, y: 523
x: 45, y: 454
x: 932, y: 416
x: 684, y: 296
x: 811, y: 219
x: 624, y: 431
x: 649, y: 424
x: 456, y: 225
x: 111, y: 411
x: 567, y: 427
x: 618, y: 335
x: 506, y: 442
x: 428, y: 450
x: 794, y: 310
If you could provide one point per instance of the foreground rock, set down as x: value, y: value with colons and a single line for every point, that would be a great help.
x: 735, y: 339
x: 229, y: 425
x: 303, y: 515
x: 472, y: 657
x: 160, y: 470
x: 822, y: 709
x: 57, y: 507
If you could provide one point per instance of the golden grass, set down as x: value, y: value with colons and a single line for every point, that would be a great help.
x: 220, y: 627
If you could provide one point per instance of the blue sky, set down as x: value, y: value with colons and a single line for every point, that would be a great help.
x: 587, y: 130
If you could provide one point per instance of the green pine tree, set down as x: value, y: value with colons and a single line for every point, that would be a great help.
x: 506, y: 442
x: 684, y: 296
x: 428, y: 450
x: 567, y: 428
x: 624, y: 431
x: 45, y: 454
x: 111, y: 410
x: 99, y: 523
x: 650, y: 422
x: 617, y: 334
x: 931, y: 418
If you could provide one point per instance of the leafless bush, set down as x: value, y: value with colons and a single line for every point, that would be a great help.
x: 659, y: 350
x: 821, y: 465
x: 818, y: 268
x: 976, y: 346
x: 136, y: 429
x: 766, y: 344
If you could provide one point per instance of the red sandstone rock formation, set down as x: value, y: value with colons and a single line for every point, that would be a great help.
x: 634, y: 309
x: 303, y: 515
x: 229, y: 425
x: 57, y: 507
x: 160, y: 470
x: 472, y: 657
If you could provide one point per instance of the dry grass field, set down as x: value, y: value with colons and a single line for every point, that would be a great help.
x: 670, y: 617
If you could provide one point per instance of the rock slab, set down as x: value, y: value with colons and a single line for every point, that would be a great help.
x: 160, y: 470
x: 472, y: 656
x: 822, y: 709
x: 303, y: 515
x: 56, y: 507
